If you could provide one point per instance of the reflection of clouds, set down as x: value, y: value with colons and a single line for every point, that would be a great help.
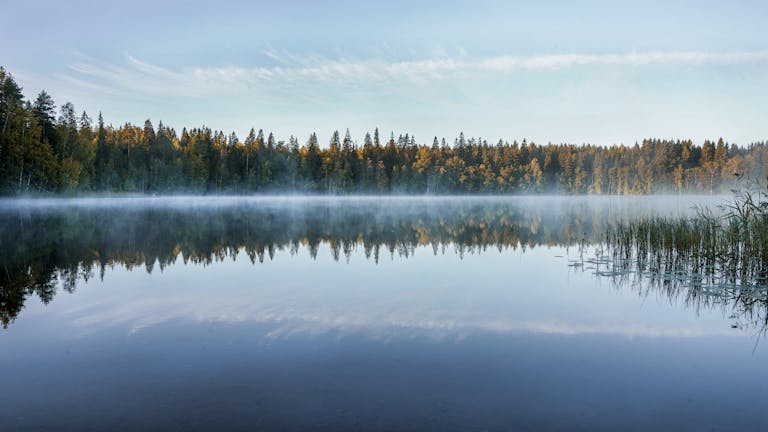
x: 298, y: 293
x: 286, y: 318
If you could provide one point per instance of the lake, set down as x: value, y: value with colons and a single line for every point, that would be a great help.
x: 320, y: 313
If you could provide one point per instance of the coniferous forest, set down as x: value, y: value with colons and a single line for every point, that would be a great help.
x: 45, y: 149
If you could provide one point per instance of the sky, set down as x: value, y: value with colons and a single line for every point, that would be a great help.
x: 600, y: 72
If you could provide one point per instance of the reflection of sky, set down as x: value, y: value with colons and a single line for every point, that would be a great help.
x: 491, y: 341
x: 442, y: 296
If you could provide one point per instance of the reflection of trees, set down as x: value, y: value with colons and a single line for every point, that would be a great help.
x: 685, y: 273
x: 48, y: 248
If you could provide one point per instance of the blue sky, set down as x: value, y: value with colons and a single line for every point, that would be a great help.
x: 604, y: 72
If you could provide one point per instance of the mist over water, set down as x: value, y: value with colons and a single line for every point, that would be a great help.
x: 286, y: 311
x: 655, y: 203
x: 58, y: 244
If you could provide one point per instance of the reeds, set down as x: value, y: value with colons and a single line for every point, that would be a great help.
x: 718, y: 248
x: 718, y: 256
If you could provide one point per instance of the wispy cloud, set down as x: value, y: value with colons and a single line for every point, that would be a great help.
x: 294, y: 74
x: 510, y: 63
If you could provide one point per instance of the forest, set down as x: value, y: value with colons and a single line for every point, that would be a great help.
x: 48, y: 151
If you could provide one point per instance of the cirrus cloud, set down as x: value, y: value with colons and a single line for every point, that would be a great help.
x: 295, y: 74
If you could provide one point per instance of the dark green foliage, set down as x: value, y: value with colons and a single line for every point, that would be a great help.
x: 40, y: 154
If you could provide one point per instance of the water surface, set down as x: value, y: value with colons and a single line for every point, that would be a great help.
x: 319, y: 313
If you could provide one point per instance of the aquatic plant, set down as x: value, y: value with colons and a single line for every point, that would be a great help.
x: 717, y: 256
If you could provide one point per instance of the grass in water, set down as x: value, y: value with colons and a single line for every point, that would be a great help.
x: 717, y: 257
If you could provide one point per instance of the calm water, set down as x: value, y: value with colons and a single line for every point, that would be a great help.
x: 356, y: 314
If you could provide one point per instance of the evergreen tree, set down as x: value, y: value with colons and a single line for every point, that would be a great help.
x: 40, y: 153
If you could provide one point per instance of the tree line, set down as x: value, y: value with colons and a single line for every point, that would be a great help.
x: 41, y: 152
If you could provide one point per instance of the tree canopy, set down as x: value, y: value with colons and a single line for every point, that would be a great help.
x: 42, y: 153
